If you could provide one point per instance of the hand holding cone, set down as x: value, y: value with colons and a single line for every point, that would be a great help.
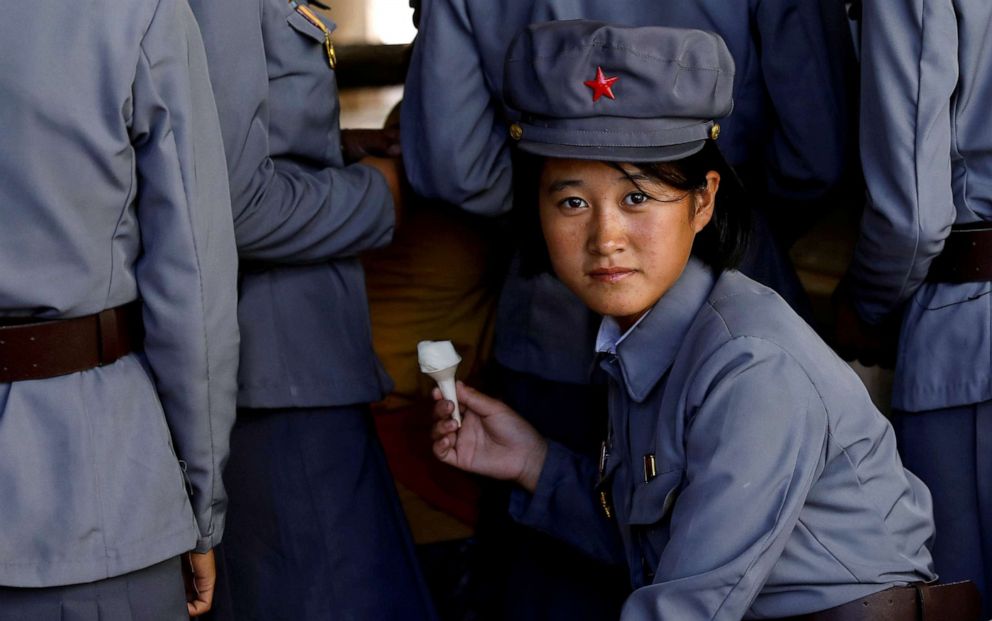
x: 439, y: 360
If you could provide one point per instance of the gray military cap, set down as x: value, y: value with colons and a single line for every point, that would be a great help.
x: 589, y: 90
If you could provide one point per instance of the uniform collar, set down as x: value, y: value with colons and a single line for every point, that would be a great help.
x: 610, y: 334
x: 647, y: 350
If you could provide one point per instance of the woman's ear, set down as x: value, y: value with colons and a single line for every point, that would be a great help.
x: 706, y: 201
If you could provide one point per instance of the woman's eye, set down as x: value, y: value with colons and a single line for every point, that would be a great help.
x: 635, y: 198
x: 573, y: 202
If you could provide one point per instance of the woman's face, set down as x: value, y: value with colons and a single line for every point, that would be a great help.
x: 618, y: 245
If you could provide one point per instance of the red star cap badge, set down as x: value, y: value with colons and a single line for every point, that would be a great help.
x: 601, y: 85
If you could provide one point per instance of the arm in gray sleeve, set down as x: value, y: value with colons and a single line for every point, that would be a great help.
x: 290, y: 213
x: 749, y: 393
x: 452, y: 130
x: 909, y: 72
x: 804, y: 74
x: 285, y: 211
x: 564, y: 505
x: 188, y: 267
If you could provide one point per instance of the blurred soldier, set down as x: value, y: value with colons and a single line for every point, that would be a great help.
x: 925, y: 252
x: 115, y: 220
x: 788, y: 138
x: 317, y: 531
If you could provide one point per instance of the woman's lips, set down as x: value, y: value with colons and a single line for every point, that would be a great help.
x: 610, y: 274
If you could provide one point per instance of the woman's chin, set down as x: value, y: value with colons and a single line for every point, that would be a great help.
x: 618, y: 311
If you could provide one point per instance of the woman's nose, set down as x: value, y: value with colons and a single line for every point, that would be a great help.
x: 607, y: 233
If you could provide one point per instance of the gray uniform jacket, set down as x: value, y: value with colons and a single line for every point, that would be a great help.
x: 778, y: 491
x: 927, y: 153
x: 300, y: 216
x: 790, y: 118
x: 113, y: 189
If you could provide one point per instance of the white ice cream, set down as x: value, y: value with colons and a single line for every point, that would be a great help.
x: 436, y: 355
x: 439, y: 360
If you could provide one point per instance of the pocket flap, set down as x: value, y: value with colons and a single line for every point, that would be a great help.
x: 653, y: 500
x: 304, y: 26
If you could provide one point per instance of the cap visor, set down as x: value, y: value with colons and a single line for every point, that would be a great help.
x: 665, y: 153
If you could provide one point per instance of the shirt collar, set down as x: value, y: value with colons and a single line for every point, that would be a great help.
x: 610, y: 335
x: 647, y: 350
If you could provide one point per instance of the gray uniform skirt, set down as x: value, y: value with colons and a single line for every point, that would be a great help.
x: 155, y: 593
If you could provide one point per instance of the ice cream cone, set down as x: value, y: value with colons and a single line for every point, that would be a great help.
x: 445, y: 379
x: 439, y: 360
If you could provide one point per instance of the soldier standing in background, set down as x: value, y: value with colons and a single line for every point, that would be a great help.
x: 115, y: 220
x: 317, y: 531
x: 925, y: 257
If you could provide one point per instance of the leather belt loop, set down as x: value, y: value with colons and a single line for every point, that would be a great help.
x: 921, y: 600
x: 108, y: 335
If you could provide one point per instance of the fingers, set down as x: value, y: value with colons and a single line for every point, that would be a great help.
x: 442, y: 447
x: 201, y: 605
x: 470, y: 399
x: 443, y: 427
x: 445, y: 449
x: 444, y: 431
x: 200, y: 577
x: 443, y: 409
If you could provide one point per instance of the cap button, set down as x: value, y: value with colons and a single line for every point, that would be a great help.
x: 516, y: 132
x: 715, y: 131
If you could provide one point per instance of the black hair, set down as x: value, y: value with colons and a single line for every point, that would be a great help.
x: 721, y: 244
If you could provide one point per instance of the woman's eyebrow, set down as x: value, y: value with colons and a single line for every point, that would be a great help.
x: 561, y: 184
x: 636, y: 177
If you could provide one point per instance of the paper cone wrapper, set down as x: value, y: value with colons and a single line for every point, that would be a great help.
x: 445, y: 379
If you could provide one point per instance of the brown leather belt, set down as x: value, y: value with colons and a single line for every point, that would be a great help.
x: 967, y: 255
x: 30, y: 351
x: 957, y: 601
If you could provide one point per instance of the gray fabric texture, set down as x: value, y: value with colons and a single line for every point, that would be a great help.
x: 114, y: 189
x: 927, y: 153
x: 152, y: 594
x: 300, y: 215
x: 650, y: 93
x: 778, y: 491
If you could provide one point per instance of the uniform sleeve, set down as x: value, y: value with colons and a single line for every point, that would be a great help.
x: 452, y: 130
x: 293, y: 214
x: 802, y: 54
x: 188, y: 267
x: 909, y: 72
x: 755, y: 443
x: 565, y: 506
x: 285, y: 211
